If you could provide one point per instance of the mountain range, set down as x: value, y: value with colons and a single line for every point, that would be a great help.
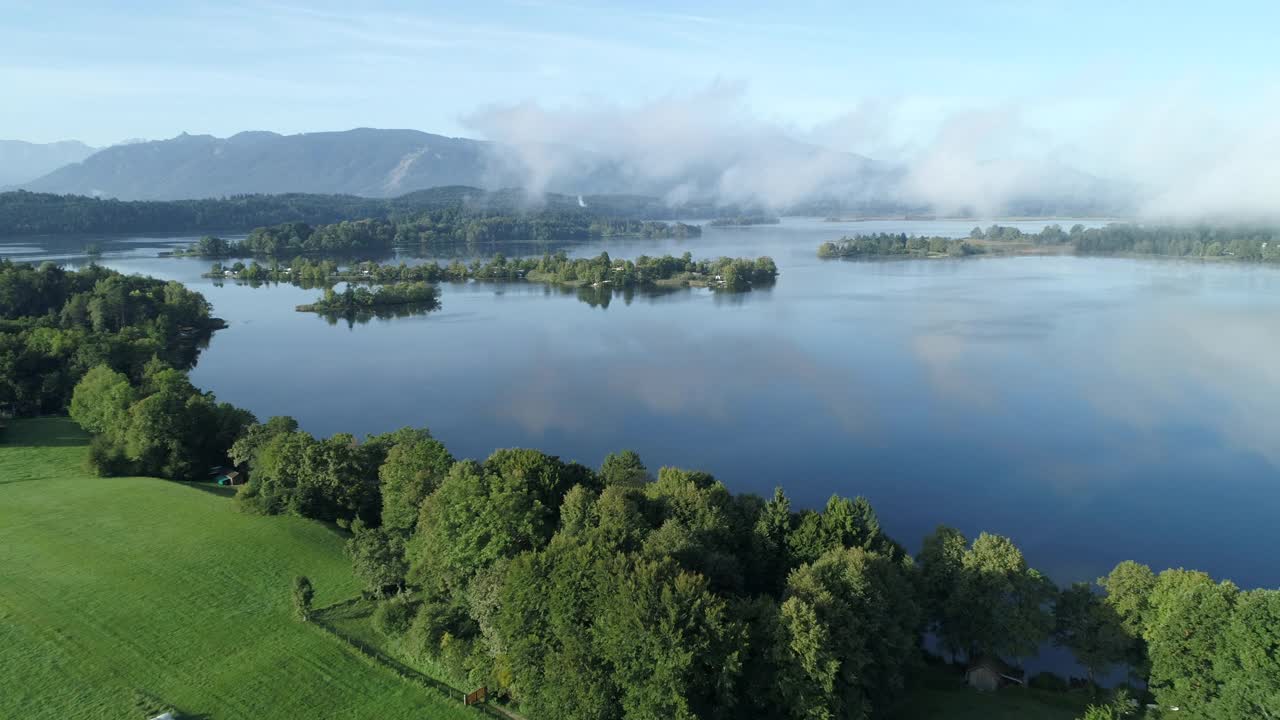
x: 781, y: 173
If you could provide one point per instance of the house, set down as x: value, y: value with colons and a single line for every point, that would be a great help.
x: 232, y: 477
x: 989, y: 673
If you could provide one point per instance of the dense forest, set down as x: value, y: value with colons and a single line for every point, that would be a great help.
x: 56, y: 324
x: 28, y: 213
x: 425, y: 230
x: 731, y: 274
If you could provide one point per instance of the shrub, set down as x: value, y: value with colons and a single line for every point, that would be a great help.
x: 394, y: 615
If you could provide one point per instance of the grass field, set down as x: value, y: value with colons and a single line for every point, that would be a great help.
x: 112, y: 585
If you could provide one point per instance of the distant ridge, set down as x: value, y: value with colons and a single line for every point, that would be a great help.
x: 365, y: 162
x: 22, y: 161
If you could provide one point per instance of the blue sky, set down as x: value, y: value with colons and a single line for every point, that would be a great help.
x: 104, y: 72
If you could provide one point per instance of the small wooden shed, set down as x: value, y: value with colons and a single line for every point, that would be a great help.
x: 990, y: 673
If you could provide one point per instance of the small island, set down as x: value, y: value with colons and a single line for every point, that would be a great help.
x: 359, y: 300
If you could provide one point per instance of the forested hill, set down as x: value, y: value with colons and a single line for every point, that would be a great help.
x: 28, y: 213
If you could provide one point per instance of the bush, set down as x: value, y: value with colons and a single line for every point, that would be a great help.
x: 303, y: 593
x: 394, y: 615
x: 106, y: 458
x: 1049, y: 681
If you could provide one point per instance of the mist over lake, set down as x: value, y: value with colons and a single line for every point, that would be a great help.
x: 1093, y: 409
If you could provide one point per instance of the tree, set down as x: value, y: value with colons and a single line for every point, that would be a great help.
x: 1247, y: 666
x: 672, y: 646
x: 377, y: 558
x: 101, y: 400
x: 624, y: 468
x: 303, y: 594
x: 478, y: 515
x: 1129, y: 587
x: 414, y: 468
x: 1001, y: 602
x: 245, y: 450
x: 941, y: 564
x: 851, y: 623
x: 1184, y: 630
x: 1091, y: 629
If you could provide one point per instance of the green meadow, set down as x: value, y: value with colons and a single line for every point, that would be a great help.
x: 109, y: 586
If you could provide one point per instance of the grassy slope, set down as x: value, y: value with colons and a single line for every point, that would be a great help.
x: 107, y: 585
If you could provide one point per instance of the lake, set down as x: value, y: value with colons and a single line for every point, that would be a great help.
x: 1093, y: 409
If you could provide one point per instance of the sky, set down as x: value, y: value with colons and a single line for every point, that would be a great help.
x: 1138, y: 90
x: 105, y: 72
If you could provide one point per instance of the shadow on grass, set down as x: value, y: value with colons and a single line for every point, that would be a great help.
x: 43, y: 432
x: 212, y: 488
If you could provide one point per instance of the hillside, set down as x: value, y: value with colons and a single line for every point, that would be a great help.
x: 24, y: 161
x: 113, y: 585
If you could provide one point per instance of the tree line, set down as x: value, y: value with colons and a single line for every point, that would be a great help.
x: 28, y: 213
x: 615, y: 592
x: 1239, y: 242
x: 744, y: 220
x: 732, y: 274
x: 897, y: 244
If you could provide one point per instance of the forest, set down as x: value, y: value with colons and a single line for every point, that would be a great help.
x: 28, y: 213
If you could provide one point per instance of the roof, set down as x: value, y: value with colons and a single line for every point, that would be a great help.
x: 997, y: 666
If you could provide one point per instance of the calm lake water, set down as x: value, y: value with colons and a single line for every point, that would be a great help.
x: 1093, y: 409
